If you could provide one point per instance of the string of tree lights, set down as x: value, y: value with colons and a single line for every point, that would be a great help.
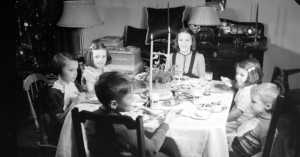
x: 35, y: 32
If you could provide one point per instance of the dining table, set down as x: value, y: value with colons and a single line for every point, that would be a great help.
x: 198, y: 129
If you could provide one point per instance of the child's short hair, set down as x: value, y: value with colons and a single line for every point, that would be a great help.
x: 253, y: 67
x: 267, y: 92
x: 59, y: 61
x: 184, y: 30
x: 96, y: 45
x: 112, y: 86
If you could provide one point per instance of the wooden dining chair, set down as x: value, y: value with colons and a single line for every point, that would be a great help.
x: 106, y: 123
x: 34, y: 85
x: 285, y: 104
x: 281, y: 78
x: 293, y: 99
x: 277, y: 112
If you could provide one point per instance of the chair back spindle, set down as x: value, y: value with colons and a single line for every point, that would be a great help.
x: 32, y: 85
x: 106, y: 122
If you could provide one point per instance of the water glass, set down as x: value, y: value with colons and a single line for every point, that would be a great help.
x: 208, y: 76
x: 178, y: 74
x: 196, y: 96
x: 154, y: 100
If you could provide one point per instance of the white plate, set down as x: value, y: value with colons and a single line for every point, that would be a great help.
x: 201, y: 114
x: 195, y: 113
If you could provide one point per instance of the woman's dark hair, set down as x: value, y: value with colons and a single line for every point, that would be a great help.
x: 184, y: 30
x: 112, y: 86
x: 59, y: 61
x: 96, y: 45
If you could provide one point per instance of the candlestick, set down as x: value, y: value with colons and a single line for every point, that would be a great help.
x: 151, y: 64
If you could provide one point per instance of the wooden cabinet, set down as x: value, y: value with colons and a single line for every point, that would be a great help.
x: 230, y: 43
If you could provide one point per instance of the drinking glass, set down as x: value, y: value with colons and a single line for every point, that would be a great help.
x: 178, y: 74
x: 154, y: 99
x: 196, y: 96
x: 208, y: 75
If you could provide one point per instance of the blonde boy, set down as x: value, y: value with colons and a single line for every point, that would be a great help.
x: 250, y: 136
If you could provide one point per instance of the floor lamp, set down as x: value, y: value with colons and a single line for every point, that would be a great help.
x: 79, y: 14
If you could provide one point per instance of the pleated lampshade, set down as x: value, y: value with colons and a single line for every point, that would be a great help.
x: 79, y: 14
x: 204, y: 16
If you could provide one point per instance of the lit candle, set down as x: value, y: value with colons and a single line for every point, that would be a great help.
x: 151, y: 64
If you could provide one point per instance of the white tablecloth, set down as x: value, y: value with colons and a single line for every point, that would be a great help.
x: 195, y: 138
x: 205, y: 137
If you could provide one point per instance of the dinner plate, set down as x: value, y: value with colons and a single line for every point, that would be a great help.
x: 196, y: 113
x: 201, y: 114
x: 91, y: 101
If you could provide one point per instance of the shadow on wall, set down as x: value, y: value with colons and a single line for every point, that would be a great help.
x: 283, y: 58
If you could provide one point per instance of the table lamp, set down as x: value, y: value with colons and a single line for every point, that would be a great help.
x: 79, y: 14
x: 203, y: 16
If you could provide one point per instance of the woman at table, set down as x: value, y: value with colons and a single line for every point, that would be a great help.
x: 185, y: 59
x: 96, y: 61
x: 114, y: 92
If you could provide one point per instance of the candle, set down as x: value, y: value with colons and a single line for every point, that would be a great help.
x: 169, y: 43
x: 151, y: 63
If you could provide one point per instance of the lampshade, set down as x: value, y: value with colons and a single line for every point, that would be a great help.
x: 79, y: 14
x: 204, y: 16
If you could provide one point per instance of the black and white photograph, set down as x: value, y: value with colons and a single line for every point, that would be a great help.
x: 157, y: 78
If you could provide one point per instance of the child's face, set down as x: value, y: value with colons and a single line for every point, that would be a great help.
x: 184, y: 41
x: 99, y: 57
x: 125, y: 103
x: 69, y: 71
x: 241, y: 76
x: 258, y: 106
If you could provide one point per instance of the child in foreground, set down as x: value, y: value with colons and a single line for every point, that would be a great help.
x: 249, y: 138
x: 113, y: 90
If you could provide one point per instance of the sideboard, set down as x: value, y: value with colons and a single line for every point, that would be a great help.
x: 233, y: 41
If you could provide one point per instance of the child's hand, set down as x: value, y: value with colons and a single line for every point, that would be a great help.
x: 80, y: 98
x: 170, y: 117
x: 227, y: 81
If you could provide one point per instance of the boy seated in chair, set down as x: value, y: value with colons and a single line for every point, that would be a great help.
x: 249, y: 138
x: 113, y: 90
